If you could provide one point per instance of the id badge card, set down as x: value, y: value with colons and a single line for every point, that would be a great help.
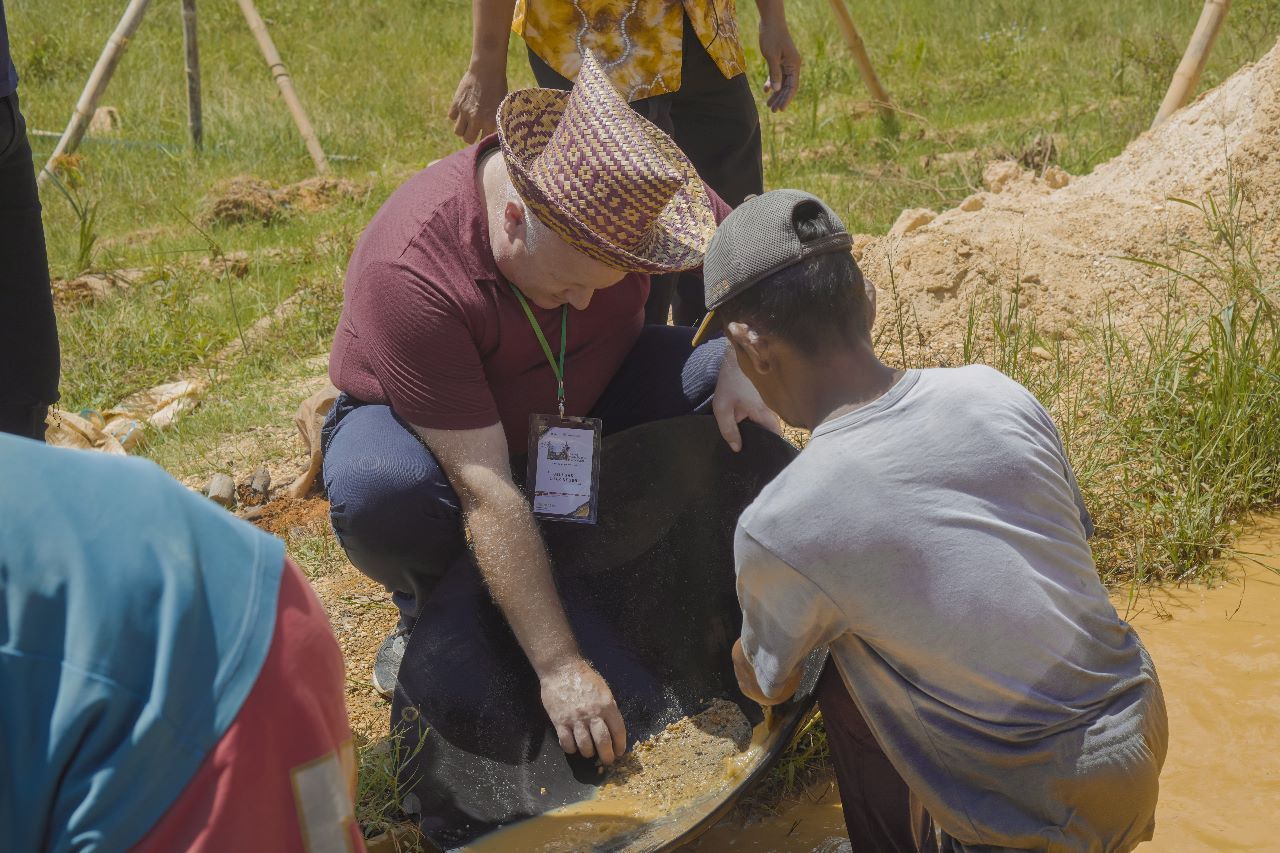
x: 564, y: 468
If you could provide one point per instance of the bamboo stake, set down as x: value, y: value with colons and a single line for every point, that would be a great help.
x: 96, y: 85
x: 195, y: 119
x: 859, y: 50
x: 1187, y: 77
x: 281, y: 76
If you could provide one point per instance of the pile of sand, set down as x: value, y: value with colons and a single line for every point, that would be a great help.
x: 1057, y: 238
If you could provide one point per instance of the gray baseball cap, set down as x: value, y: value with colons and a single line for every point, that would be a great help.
x: 757, y: 240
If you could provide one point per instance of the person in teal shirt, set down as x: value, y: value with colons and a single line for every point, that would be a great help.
x: 138, y: 621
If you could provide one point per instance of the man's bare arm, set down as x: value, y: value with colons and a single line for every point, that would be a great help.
x: 779, y: 51
x: 513, y: 561
x: 484, y: 85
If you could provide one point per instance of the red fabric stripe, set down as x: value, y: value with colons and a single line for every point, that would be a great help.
x: 284, y: 773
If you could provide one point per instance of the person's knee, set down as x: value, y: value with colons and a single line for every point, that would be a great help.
x: 381, y: 485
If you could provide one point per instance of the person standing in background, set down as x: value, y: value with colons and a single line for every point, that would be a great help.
x: 681, y: 65
x: 29, y: 361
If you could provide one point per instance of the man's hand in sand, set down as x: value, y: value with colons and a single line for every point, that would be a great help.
x: 583, y: 711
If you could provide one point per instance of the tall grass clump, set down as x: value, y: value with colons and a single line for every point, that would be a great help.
x: 1197, y: 426
x: 380, y: 791
x: 1172, y: 424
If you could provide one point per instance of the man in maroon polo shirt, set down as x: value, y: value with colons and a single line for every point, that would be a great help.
x: 473, y: 284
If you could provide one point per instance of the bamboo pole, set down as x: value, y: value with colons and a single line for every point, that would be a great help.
x: 281, y: 76
x: 859, y: 50
x: 191, y: 48
x: 96, y: 85
x: 1187, y: 77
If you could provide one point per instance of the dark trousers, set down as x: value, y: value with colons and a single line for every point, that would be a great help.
x: 392, y: 507
x: 880, y: 813
x: 28, y: 334
x: 715, y: 123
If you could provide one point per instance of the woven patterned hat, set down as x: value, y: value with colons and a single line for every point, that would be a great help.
x: 608, y: 181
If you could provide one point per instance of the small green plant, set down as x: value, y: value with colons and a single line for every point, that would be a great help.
x: 86, y: 213
x: 381, y: 789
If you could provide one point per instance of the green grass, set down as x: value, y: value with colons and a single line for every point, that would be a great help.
x: 1172, y: 429
x: 376, y: 79
x: 992, y: 78
x: 1172, y: 432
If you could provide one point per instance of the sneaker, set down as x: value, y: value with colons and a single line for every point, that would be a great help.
x: 386, y: 663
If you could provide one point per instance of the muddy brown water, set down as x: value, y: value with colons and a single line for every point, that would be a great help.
x: 1217, y: 651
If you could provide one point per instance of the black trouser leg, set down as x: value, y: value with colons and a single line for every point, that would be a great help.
x: 715, y: 123
x: 28, y: 333
x: 878, y: 809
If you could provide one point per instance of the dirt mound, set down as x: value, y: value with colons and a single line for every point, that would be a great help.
x: 246, y: 198
x: 92, y: 286
x: 286, y: 516
x: 243, y: 199
x: 684, y: 762
x: 1059, y: 240
x: 319, y: 193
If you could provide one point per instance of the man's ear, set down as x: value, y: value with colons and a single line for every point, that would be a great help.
x: 513, y: 220
x: 748, y: 342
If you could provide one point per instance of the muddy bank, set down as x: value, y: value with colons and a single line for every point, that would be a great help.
x: 1217, y: 651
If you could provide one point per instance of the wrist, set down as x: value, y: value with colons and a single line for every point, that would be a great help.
x: 729, y: 361
x: 559, y: 664
x: 488, y: 61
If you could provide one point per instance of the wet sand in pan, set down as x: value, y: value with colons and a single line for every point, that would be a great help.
x: 689, y: 763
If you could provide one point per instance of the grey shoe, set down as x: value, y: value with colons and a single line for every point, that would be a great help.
x: 386, y: 663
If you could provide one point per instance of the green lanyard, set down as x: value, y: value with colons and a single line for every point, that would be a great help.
x: 546, y: 347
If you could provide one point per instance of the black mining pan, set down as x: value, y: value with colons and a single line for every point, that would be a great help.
x: 650, y: 593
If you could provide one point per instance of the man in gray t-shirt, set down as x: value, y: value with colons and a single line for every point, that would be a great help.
x: 986, y: 695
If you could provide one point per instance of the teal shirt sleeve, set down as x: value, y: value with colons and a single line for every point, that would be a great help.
x: 134, y: 619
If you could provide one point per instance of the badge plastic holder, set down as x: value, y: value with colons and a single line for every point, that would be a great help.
x: 564, y: 468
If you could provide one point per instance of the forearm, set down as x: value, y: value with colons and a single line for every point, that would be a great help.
x: 770, y: 10
x: 513, y: 562
x: 490, y: 32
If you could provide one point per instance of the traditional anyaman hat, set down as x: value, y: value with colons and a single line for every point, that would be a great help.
x: 608, y: 181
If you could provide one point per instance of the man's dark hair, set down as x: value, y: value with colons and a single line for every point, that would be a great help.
x: 813, y: 305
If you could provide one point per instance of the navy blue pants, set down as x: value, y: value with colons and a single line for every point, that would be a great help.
x: 394, y: 511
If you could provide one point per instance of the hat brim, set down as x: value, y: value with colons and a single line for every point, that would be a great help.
x: 679, y: 236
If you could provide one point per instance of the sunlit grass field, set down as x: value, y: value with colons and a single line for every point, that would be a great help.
x: 985, y: 79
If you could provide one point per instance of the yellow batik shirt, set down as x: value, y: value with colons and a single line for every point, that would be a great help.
x: 637, y: 41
